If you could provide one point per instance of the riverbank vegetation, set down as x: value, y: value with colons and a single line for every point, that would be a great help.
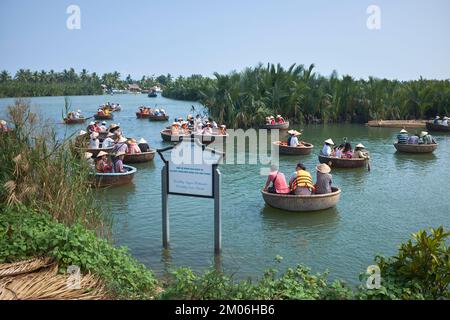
x: 48, y: 209
x: 244, y: 99
x: 27, y: 83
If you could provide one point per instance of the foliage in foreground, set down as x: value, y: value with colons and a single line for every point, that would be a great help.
x: 24, y: 233
x: 41, y: 172
x: 420, y: 270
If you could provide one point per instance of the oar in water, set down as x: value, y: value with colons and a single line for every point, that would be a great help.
x: 368, y: 165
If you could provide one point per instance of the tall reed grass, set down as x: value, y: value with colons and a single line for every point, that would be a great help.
x: 43, y: 172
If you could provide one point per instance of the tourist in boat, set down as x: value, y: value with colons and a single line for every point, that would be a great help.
x: 120, y: 145
x: 90, y: 161
x: 132, y: 146
x: 280, y: 119
x: 360, y: 153
x: 402, y: 137
x: 143, y: 145
x: 198, y: 129
x: 338, y: 151
x: 347, y: 152
x: 175, y: 129
x: 413, y: 139
x: 118, y: 163
x: 103, y: 165
x: 190, y: 120
x: 4, y: 126
x: 444, y: 121
x: 223, y: 130
x: 278, y: 181
x: 213, y: 123
x: 163, y: 112
x: 293, y: 142
x: 272, y: 120
x: 91, y: 127
x: 426, y: 138
x: 109, y: 141
x: 207, y: 131
x: 103, y: 127
x: 184, y: 128
x: 327, y: 148
x: 157, y: 112
x: 94, y: 143
x: 113, y: 128
x: 324, y: 179
x: 301, y: 182
x: 101, y: 112
x: 78, y: 114
x: 437, y: 120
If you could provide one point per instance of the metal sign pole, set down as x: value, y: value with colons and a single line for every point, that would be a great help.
x: 217, y: 211
x: 165, y: 211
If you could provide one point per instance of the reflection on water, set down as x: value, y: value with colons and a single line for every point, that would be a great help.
x: 377, y: 209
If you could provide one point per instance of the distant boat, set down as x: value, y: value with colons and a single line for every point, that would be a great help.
x: 152, y: 94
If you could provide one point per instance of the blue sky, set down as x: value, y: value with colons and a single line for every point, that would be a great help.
x: 140, y: 37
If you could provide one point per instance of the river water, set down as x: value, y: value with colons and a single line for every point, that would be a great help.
x: 378, y: 209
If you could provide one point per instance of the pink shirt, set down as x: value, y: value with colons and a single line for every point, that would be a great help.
x: 280, y: 183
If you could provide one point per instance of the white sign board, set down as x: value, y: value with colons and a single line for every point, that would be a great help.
x: 190, y: 179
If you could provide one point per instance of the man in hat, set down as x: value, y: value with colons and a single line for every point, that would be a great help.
x: 91, y: 127
x: 132, y: 146
x: 444, y: 121
x: 327, y: 148
x: 90, y: 161
x: 402, y: 137
x: 207, y: 131
x: 223, y: 130
x: 175, y: 128
x: 120, y: 145
x: 437, y: 120
x: 94, y: 143
x: 118, y: 164
x: 324, y: 179
x: 103, y: 165
x: 103, y: 127
x: 280, y: 119
x: 293, y: 141
x: 143, y: 145
x: 360, y: 153
x: 3, y: 126
x: 426, y: 138
x: 109, y: 141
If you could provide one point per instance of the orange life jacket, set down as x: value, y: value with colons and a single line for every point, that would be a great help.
x: 302, y: 180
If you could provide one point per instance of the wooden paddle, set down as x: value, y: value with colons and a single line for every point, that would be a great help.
x: 368, y: 165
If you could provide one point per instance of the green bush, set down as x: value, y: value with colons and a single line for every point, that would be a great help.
x: 420, y: 270
x: 25, y: 234
x: 296, y: 283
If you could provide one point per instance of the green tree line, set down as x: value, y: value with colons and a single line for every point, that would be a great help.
x: 244, y: 99
x: 27, y: 83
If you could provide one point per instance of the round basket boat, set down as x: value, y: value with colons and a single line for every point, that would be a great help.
x: 167, y: 136
x: 343, y: 162
x: 415, y: 148
x: 299, y: 203
x: 437, y: 127
x: 304, y: 149
x: 114, y: 179
x: 74, y: 121
x: 140, y: 115
x: 158, y: 118
x: 140, y: 157
x: 104, y: 117
x: 279, y: 126
x: 95, y: 152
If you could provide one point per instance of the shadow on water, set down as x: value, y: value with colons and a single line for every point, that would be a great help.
x: 405, y: 159
x: 280, y: 219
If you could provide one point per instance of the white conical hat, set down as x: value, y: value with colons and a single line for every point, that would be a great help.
x: 329, y: 141
x: 142, y: 140
x: 403, y: 131
x: 423, y: 133
x: 360, y: 145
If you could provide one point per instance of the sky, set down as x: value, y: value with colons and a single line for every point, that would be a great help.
x: 184, y: 37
